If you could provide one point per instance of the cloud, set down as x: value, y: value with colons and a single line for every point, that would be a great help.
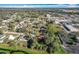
x: 25, y: 6
x: 73, y: 6
x: 28, y: 6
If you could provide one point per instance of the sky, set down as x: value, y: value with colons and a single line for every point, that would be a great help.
x: 39, y: 1
x: 36, y: 3
x: 41, y: 5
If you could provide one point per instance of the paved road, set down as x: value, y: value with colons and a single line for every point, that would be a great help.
x: 70, y: 48
x: 13, y: 33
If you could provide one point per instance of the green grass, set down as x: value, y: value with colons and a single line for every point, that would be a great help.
x: 4, y: 52
x: 18, y: 53
x: 19, y: 50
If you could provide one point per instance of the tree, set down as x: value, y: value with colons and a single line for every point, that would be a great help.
x: 50, y: 47
x: 1, y: 31
x: 11, y: 26
x: 29, y: 43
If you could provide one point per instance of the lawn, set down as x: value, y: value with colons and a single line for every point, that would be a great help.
x: 5, y: 49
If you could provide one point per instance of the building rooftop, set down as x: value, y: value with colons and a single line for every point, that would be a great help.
x: 70, y: 27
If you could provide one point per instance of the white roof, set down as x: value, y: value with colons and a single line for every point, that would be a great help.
x: 11, y: 37
x: 77, y: 38
x: 1, y: 41
x: 5, y: 21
